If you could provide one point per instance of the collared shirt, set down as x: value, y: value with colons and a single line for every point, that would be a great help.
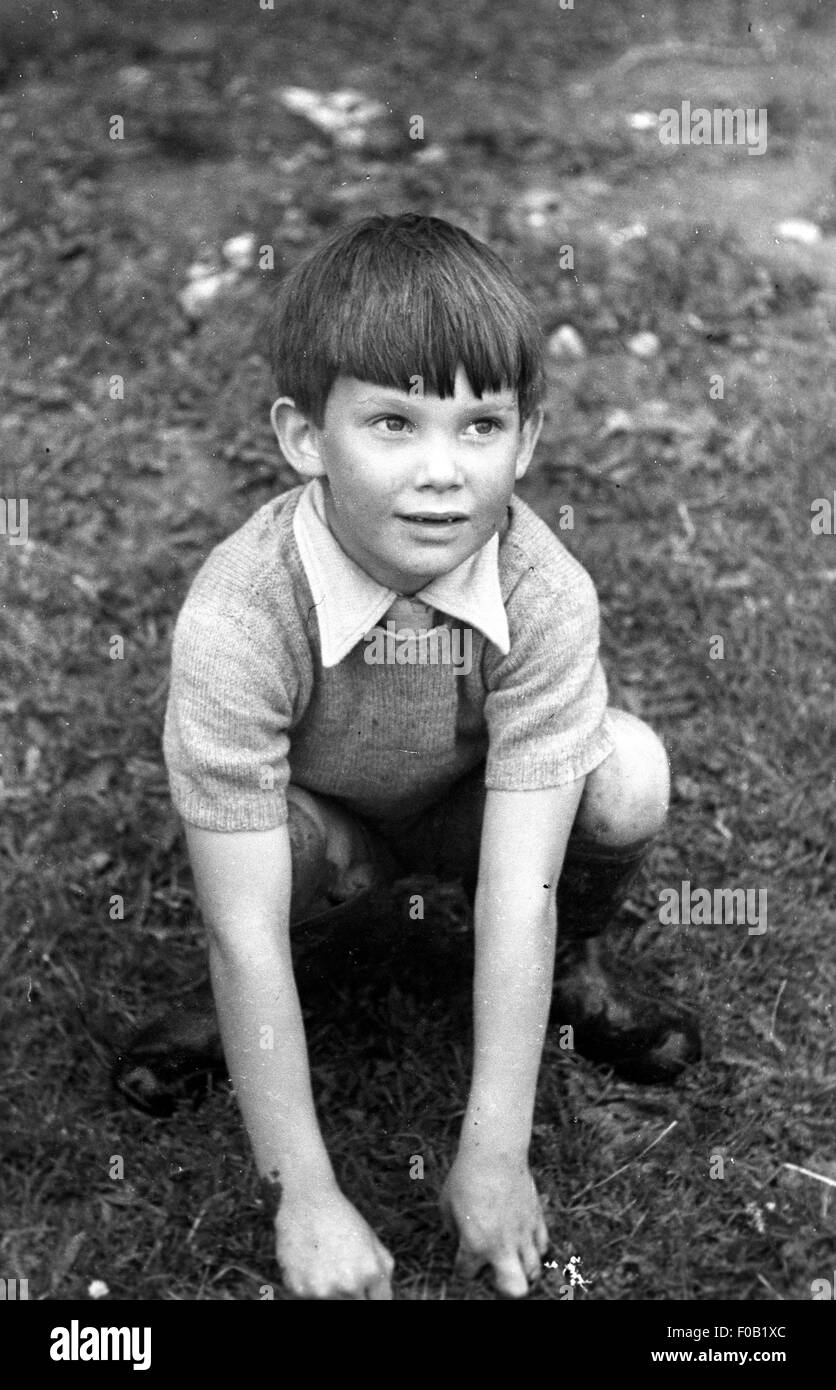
x: 267, y: 689
x: 349, y: 602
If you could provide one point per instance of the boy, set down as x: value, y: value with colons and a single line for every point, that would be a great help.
x: 317, y: 740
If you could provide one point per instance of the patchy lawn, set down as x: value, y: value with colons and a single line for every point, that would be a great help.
x: 139, y: 435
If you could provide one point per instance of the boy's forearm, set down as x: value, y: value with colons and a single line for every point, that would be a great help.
x: 266, y: 1053
x: 244, y: 885
x: 524, y: 838
x: 515, y: 945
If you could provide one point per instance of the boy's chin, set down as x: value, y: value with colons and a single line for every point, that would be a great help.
x: 411, y: 583
x: 428, y: 563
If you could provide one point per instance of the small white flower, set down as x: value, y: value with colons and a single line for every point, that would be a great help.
x: 98, y: 1289
x: 239, y: 251
x: 342, y: 115
x: 430, y: 154
x: 644, y: 346
x: 200, y: 270
x: 644, y: 120
x: 617, y: 422
x: 800, y: 230
x: 575, y: 1276
x: 197, y: 297
x: 566, y: 343
x: 634, y: 232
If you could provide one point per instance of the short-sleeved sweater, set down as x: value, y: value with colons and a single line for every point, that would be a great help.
x: 251, y: 706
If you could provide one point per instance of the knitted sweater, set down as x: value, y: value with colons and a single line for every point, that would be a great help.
x: 251, y: 706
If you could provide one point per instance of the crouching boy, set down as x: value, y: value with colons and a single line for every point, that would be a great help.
x: 394, y: 668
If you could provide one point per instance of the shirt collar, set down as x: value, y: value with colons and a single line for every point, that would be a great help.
x: 349, y: 603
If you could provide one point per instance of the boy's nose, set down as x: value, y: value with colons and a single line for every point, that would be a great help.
x: 439, y: 468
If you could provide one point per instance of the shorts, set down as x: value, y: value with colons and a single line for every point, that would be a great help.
x: 443, y: 841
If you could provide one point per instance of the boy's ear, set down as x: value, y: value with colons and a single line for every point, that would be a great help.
x: 298, y: 438
x: 529, y: 435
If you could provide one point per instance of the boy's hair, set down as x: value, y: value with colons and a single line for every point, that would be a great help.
x: 389, y: 299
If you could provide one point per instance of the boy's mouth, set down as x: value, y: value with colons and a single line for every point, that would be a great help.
x: 434, y: 518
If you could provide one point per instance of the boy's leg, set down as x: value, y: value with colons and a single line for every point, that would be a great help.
x: 622, y: 809
x: 336, y: 865
x: 336, y: 861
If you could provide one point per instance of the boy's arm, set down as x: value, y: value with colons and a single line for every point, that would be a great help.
x: 324, y: 1246
x: 490, y: 1192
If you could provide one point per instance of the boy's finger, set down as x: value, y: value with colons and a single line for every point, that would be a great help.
x: 379, y: 1290
x: 532, y: 1263
x: 467, y: 1263
x: 510, y: 1277
x: 541, y: 1235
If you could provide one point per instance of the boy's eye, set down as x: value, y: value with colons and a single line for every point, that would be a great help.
x: 392, y: 424
x: 492, y: 426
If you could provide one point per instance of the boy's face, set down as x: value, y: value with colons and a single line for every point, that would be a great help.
x: 415, y: 484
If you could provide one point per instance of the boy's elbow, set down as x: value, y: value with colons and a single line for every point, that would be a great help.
x: 243, y: 882
x: 246, y: 938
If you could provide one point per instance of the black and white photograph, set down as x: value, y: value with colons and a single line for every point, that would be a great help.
x: 418, y: 663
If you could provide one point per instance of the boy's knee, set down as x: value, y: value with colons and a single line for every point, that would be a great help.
x: 626, y: 797
x: 329, y: 852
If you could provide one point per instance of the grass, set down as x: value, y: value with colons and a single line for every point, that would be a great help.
x: 692, y: 515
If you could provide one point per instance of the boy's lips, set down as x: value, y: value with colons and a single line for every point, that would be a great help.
x: 433, y: 518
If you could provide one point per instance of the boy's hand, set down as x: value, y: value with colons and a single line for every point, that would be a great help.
x: 325, y: 1249
x: 494, y: 1206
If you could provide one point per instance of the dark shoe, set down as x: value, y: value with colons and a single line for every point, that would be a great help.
x: 173, y: 1058
x: 644, y: 1040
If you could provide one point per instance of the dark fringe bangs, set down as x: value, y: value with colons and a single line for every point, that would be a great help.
x: 395, y: 299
